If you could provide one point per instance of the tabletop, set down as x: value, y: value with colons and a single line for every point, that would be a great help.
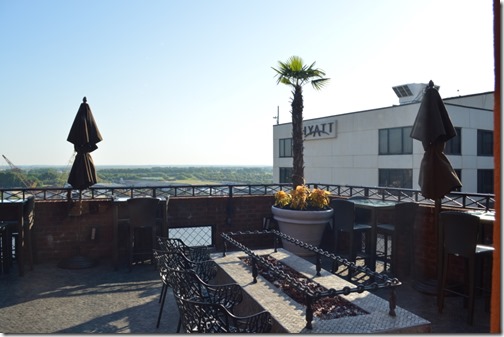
x: 488, y: 216
x: 124, y: 199
x: 373, y: 203
x: 12, y: 210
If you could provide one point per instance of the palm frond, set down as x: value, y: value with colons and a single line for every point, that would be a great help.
x: 320, y: 83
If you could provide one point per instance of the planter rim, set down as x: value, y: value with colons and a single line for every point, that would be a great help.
x: 300, y: 216
x: 329, y: 210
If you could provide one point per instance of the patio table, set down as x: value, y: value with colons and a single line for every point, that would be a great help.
x: 487, y: 219
x: 120, y: 214
x: 376, y: 207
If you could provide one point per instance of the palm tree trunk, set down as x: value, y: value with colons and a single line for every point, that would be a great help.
x: 297, y: 138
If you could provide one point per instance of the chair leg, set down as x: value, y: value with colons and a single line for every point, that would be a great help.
x: 467, y: 281
x: 394, y: 257
x: 179, y: 324
x: 472, y: 288
x: 351, y: 247
x: 485, y: 288
x: 29, y: 249
x: 385, y: 252
x: 442, y: 284
x: 20, y: 252
x: 336, y: 242
x: 163, y: 289
x: 130, y: 249
x: 370, y: 254
x: 163, y: 295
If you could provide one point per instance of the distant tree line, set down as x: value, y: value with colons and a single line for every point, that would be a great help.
x: 246, y: 175
x: 53, y: 177
x: 40, y: 177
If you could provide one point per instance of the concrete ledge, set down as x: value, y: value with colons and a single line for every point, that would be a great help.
x: 289, y: 316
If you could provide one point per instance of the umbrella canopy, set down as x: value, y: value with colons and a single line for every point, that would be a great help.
x: 437, y: 177
x: 84, y: 134
x: 433, y: 128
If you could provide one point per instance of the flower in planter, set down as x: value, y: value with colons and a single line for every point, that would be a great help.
x: 302, y: 198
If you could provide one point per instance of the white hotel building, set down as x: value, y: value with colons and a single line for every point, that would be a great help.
x: 374, y: 148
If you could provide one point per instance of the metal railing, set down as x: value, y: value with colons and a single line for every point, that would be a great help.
x: 453, y: 199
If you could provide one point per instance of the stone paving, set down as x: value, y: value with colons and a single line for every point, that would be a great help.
x: 100, y: 300
x: 94, y: 300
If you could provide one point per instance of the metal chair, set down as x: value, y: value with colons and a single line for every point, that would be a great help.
x: 187, y: 284
x: 401, y: 227
x: 21, y: 233
x: 142, y: 215
x: 344, y: 222
x: 460, y: 238
x: 199, y: 253
x: 168, y: 261
x: 204, y: 317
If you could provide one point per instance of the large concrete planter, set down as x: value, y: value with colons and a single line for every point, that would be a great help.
x: 306, y: 226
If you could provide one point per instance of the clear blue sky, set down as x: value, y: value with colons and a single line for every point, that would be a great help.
x: 190, y: 82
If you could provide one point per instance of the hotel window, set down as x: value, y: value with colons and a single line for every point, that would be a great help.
x: 453, y: 146
x: 285, y: 147
x: 285, y: 175
x: 485, y: 143
x: 486, y: 181
x: 399, y: 178
x: 395, y: 141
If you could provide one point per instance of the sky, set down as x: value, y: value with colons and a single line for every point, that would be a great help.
x: 190, y: 82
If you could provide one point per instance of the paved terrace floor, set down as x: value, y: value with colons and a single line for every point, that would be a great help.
x: 100, y: 300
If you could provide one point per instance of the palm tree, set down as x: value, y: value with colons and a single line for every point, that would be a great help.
x: 296, y: 74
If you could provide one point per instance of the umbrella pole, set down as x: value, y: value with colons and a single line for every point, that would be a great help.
x: 439, y: 253
x: 77, y: 261
x: 432, y: 286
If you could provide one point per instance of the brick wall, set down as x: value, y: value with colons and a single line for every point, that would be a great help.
x: 58, y: 233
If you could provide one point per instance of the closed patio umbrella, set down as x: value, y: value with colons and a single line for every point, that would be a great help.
x: 437, y: 177
x: 434, y: 128
x: 84, y: 134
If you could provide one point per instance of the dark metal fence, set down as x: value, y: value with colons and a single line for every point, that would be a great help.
x: 454, y: 199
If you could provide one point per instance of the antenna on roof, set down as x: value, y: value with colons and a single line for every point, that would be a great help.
x: 278, y: 115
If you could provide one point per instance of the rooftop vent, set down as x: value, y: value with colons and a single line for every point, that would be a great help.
x: 411, y: 93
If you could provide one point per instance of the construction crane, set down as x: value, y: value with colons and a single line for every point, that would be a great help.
x: 19, y: 173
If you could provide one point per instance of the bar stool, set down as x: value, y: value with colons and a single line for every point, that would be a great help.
x: 401, y: 227
x: 19, y: 231
x: 5, y: 250
x: 142, y: 218
x: 344, y: 221
x: 460, y: 238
